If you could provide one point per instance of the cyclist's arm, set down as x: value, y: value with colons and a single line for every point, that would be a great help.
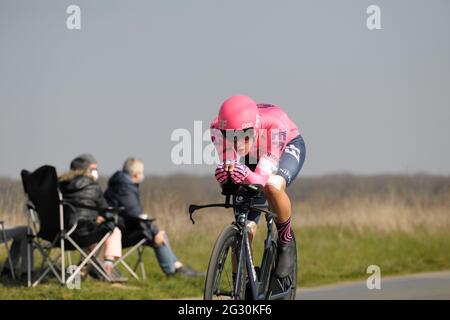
x: 254, y: 178
x: 266, y: 166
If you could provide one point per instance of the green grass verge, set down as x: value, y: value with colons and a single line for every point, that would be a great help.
x: 333, y: 255
x: 326, y: 255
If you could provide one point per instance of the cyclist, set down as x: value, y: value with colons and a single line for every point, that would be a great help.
x: 259, y: 144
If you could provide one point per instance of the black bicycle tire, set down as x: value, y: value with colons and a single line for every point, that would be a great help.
x: 220, y: 245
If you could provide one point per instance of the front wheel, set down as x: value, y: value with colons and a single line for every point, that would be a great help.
x: 219, y: 278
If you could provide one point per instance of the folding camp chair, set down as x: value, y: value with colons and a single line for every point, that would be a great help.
x: 139, y: 248
x: 136, y: 241
x: 48, y: 229
x: 5, y: 241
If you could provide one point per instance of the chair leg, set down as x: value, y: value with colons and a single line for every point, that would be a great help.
x: 129, y: 252
x: 50, y: 265
x: 137, y: 246
x: 88, y: 259
x: 11, y: 266
x: 142, y: 263
x: 143, y: 271
x: 131, y: 271
x: 63, y: 260
x: 42, y: 268
x: 29, y: 252
x: 139, y: 262
x: 43, y: 274
x: 69, y: 258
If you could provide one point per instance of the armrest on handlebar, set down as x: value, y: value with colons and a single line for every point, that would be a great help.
x: 145, y: 218
x: 229, y: 188
x: 250, y: 190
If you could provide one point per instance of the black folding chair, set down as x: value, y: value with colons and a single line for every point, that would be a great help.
x: 48, y: 228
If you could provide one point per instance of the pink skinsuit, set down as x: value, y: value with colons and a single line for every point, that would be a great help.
x: 275, y: 123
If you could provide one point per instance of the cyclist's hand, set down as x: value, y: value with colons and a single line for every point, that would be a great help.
x: 229, y: 166
x: 221, y: 174
x: 239, y: 173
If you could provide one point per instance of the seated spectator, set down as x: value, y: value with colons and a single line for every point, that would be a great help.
x: 18, y: 251
x: 80, y: 187
x: 123, y: 191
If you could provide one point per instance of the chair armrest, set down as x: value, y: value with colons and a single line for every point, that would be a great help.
x: 141, y: 218
x: 72, y: 228
x: 115, y: 210
x: 74, y: 217
x: 30, y: 205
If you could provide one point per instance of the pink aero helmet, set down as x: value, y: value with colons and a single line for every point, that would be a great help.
x: 238, y: 113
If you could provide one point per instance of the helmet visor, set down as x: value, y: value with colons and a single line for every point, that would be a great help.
x: 233, y: 135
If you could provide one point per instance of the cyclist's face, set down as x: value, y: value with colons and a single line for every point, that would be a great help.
x: 242, y: 139
x: 244, y: 145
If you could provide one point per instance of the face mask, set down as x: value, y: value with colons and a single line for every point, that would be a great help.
x: 141, y: 178
x: 94, y: 173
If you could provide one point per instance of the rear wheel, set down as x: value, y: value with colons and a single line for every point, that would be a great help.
x: 219, y: 278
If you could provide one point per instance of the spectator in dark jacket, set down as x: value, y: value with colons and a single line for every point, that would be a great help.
x: 123, y: 191
x: 79, y: 186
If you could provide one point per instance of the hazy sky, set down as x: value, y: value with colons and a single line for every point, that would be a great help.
x: 365, y: 101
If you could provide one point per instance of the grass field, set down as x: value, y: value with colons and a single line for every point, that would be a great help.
x: 343, y: 224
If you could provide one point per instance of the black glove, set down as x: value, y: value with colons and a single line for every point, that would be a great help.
x: 109, y: 216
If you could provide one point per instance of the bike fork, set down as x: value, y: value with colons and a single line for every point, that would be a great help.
x: 245, y: 255
x: 269, y: 256
x: 240, y: 260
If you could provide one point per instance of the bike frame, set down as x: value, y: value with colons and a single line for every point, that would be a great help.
x: 258, y: 286
x: 241, y: 208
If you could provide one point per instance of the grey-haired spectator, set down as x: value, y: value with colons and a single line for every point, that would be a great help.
x: 123, y: 191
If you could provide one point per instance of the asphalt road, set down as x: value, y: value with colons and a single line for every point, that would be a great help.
x: 434, y: 285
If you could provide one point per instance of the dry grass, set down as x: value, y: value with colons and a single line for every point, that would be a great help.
x: 382, y: 203
x: 388, y: 215
x: 343, y: 223
x: 385, y: 203
x: 12, y: 200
